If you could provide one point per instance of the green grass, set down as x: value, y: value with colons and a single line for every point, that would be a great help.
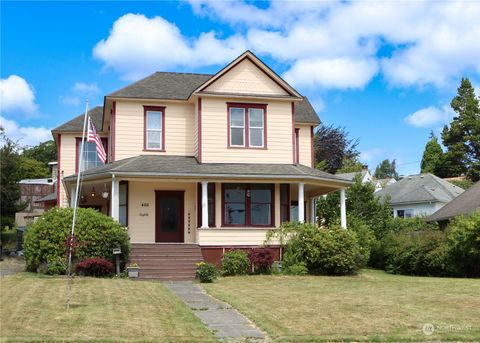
x: 373, y: 306
x: 32, y: 309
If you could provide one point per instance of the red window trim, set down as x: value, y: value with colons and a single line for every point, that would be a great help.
x: 247, y: 208
x: 297, y: 146
x: 246, y: 106
x: 312, y: 148
x: 199, y: 205
x: 78, y: 140
x: 158, y: 109
x: 293, y: 132
x: 287, y: 203
x: 126, y: 197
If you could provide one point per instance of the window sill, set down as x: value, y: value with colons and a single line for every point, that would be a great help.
x: 240, y: 228
x: 155, y: 150
x: 247, y: 147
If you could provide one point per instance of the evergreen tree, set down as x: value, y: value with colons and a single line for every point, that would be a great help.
x: 44, y: 152
x: 432, y: 156
x: 386, y: 169
x: 462, y: 137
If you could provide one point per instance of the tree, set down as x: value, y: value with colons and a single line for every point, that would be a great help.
x: 462, y: 136
x: 44, y: 152
x: 10, y: 190
x: 432, y: 159
x: 350, y: 165
x: 332, y: 146
x: 386, y: 169
x: 29, y: 168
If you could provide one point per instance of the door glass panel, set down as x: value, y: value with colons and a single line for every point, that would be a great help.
x: 169, y: 214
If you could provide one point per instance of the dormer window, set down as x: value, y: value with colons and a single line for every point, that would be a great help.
x: 247, y: 125
x: 154, y: 125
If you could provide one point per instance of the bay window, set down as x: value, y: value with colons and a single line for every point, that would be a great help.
x: 154, y: 127
x: 247, y: 127
x: 248, y: 204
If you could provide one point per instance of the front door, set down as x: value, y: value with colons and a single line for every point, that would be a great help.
x: 169, y: 224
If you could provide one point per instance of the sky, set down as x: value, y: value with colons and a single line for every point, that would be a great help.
x: 386, y: 71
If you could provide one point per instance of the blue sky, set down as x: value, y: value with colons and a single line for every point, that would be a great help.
x: 385, y: 71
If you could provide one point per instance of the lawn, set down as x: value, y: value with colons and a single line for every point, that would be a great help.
x: 32, y: 308
x: 371, y: 306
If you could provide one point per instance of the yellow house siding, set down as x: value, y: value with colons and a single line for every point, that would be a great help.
x: 141, y: 219
x: 179, y: 129
x: 246, y: 78
x: 67, y: 162
x: 215, y: 134
x: 241, y: 236
x: 305, y: 145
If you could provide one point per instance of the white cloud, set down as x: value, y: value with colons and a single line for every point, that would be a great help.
x: 138, y: 45
x: 17, y: 95
x: 430, y: 116
x: 369, y: 155
x: 26, y: 135
x: 416, y: 43
x: 339, y: 73
x: 80, y: 91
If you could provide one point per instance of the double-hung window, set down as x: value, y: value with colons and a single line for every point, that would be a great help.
x: 248, y: 204
x: 247, y: 127
x: 154, y: 128
x: 90, y: 156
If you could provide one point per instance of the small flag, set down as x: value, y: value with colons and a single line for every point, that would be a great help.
x: 92, y: 136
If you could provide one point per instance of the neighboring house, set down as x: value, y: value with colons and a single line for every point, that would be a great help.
x: 382, y: 183
x: 419, y: 195
x: 210, y: 162
x: 365, y: 176
x: 31, y: 191
x: 466, y: 203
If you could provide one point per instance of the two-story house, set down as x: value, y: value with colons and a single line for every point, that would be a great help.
x: 210, y: 162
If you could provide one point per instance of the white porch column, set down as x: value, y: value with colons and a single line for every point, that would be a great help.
x: 343, y: 209
x: 312, y: 210
x: 114, y: 198
x: 204, y: 205
x: 301, y: 203
x: 73, y: 193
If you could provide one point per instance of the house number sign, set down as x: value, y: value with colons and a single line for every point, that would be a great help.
x: 144, y: 214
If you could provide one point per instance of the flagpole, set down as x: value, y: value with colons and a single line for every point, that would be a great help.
x: 75, y: 206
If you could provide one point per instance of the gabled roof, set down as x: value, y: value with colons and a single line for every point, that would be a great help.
x: 186, y: 166
x: 260, y: 65
x: 351, y: 176
x: 76, y: 124
x: 422, y: 188
x: 48, y: 198
x: 466, y: 203
x: 160, y: 85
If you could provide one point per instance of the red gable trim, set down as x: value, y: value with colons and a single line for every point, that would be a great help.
x: 312, y: 146
x: 293, y: 133
x: 199, y: 130
x: 59, y: 146
x: 113, y: 124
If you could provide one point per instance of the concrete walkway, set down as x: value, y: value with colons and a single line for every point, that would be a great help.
x: 226, y: 322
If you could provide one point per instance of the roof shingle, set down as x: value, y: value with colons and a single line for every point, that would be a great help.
x: 76, y: 124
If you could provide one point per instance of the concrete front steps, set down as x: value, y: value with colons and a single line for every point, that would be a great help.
x: 166, y: 261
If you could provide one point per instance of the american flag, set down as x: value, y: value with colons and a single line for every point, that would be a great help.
x: 92, y: 136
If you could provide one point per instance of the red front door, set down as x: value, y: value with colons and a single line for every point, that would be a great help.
x: 169, y: 221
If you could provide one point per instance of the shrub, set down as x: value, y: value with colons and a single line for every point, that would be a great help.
x: 365, y: 237
x: 296, y: 269
x: 416, y: 253
x: 96, y: 267
x: 206, y: 272
x: 235, y: 262
x: 261, y: 260
x: 332, y: 251
x: 96, y: 236
x: 463, y: 237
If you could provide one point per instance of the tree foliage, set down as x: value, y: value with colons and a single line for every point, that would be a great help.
x: 29, y: 168
x: 44, y: 152
x: 351, y: 165
x: 462, y: 136
x: 10, y: 190
x: 332, y: 146
x: 432, y: 159
x: 386, y: 169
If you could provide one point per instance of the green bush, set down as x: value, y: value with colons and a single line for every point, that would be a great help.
x: 206, y: 272
x: 421, y: 252
x: 296, y: 269
x: 463, y: 237
x: 365, y: 237
x: 235, y: 262
x: 333, y: 251
x: 96, y: 236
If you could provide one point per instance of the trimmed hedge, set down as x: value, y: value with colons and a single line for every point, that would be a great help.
x: 96, y: 236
